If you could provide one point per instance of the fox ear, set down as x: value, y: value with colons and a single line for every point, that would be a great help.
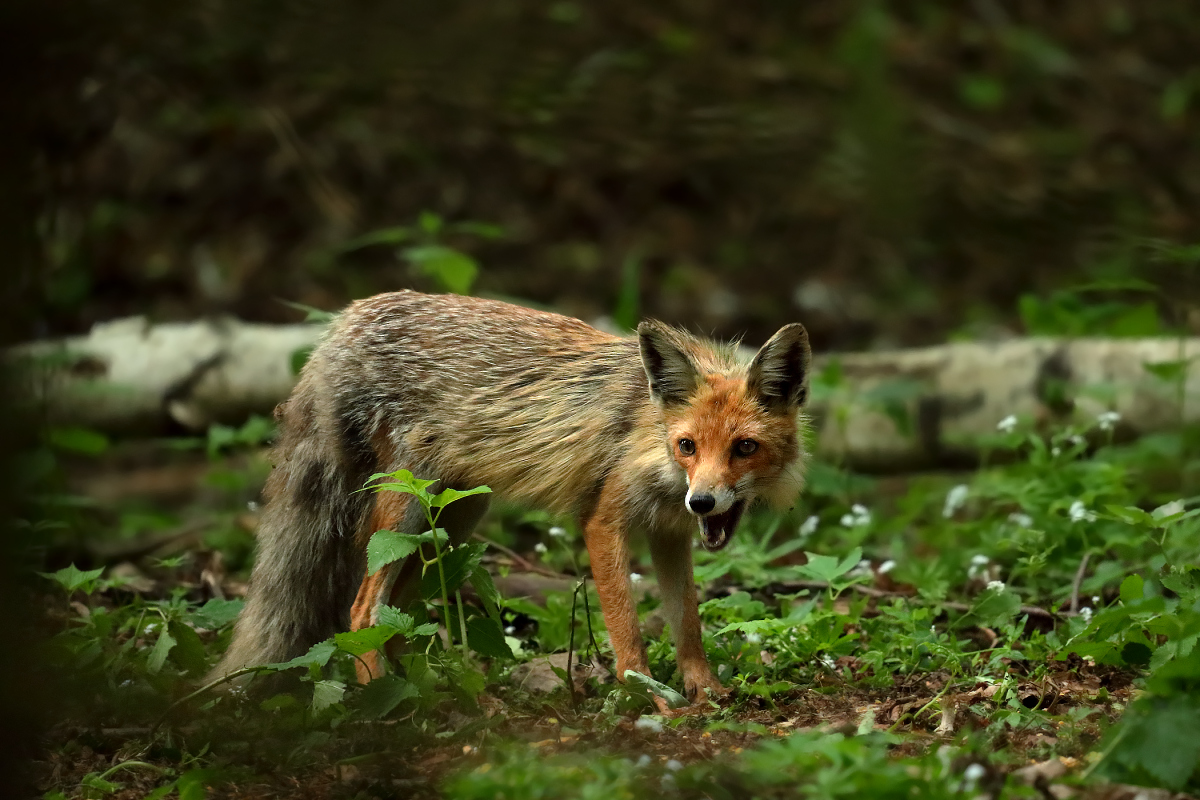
x: 672, y: 374
x: 778, y: 375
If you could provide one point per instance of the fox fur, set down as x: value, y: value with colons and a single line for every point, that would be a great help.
x: 663, y: 432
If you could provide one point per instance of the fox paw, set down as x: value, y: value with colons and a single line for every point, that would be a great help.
x: 703, y: 686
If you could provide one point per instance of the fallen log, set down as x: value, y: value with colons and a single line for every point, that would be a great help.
x: 876, y: 411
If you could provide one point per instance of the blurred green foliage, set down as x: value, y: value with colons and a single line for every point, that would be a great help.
x: 884, y: 171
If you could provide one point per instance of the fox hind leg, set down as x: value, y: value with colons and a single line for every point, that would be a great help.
x: 398, y: 583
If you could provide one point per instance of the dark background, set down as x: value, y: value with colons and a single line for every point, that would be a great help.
x: 889, y: 173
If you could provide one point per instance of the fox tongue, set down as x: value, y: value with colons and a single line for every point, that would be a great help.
x: 714, y: 534
x: 717, y: 528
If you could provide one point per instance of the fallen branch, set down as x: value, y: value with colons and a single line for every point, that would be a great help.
x: 886, y: 411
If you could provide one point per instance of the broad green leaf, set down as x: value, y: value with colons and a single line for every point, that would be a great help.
x: 1136, y: 654
x: 486, y: 638
x: 1131, y: 515
x: 161, y: 791
x: 299, y: 358
x: 485, y: 587
x: 72, y: 579
x: 1160, y: 736
x: 188, y: 652
x: 318, y: 655
x: 458, y: 564
x: 216, y: 613
x: 162, y: 648
x: 1140, y: 320
x: 645, y: 686
x: 390, y: 615
x: 426, y: 629
x: 364, y: 640
x: 387, y: 547
x: 1132, y: 589
x: 400, y: 481
x: 326, y: 693
x: 992, y: 608
x: 1169, y: 371
x: 753, y: 626
x: 93, y: 781
x: 448, y: 496
x: 828, y: 568
x: 383, y: 694
x: 194, y: 784
x: 455, y: 271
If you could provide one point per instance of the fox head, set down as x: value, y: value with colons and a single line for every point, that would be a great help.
x: 731, y: 428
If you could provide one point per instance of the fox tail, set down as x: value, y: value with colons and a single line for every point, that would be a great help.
x: 308, y: 565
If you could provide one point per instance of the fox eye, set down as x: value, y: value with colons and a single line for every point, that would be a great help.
x: 745, y: 447
x: 687, y: 447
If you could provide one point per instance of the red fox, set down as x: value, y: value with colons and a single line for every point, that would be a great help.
x: 662, y: 432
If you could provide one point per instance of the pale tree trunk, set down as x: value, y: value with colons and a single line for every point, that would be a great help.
x: 888, y: 410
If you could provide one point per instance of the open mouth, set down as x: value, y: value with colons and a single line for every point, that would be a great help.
x: 717, y: 529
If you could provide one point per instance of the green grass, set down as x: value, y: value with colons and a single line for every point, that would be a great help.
x: 911, y: 637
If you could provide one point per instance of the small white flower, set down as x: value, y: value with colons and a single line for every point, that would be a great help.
x: 859, y: 515
x: 1079, y: 512
x: 667, y: 781
x: 980, y: 560
x: 886, y: 567
x: 1007, y: 425
x: 510, y: 630
x: 648, y: 724
x: 810, y: 526
x: 635, y: 577
x: 1086, y: 613
x: 252, y: 506
x: 753, y: 638
x: 1076, y: 440
x: 861, y: 568
x: 829, y: 661
x: 933, y: 629
x: 539, y: 547
x: 1056, y: 451
x: 978, y: 566
x: 971, y: 776
x: 1095, y: 599
x: 1020, y: 520
x: 643, y: 760
x: 557, y: 531
x: 955, y: 499
x: 674, y: 765
x: 995, y: 586
x: 1107, y: 420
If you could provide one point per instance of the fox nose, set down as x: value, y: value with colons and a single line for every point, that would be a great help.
x: 702, y: 503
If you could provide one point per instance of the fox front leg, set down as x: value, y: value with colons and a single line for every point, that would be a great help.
x: 605, y: 534
x: 672, y: 554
